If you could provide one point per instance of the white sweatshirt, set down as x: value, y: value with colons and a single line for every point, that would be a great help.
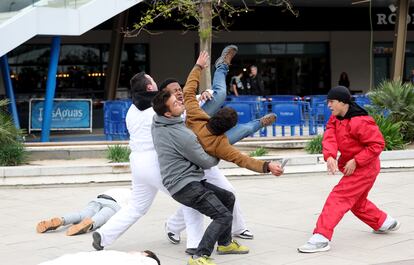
x: 104, y: 257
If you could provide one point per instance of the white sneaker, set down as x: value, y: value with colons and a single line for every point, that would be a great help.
x: 394, y: 227
x: 172, y: 237
x: 314, y: 247
x: 246, y: 234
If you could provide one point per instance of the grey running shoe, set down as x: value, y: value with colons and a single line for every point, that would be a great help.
x: 227, y: 55
x: 97, y: 241
x: 394, y: 227
x: 314, y: 247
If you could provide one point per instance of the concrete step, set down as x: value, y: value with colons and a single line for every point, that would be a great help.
x: 78, y: 150
x: 87, y: 171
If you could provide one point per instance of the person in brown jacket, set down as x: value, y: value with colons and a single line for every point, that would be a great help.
x: 210, y: 130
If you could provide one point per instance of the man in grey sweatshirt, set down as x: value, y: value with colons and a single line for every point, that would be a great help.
x: 182, y: 160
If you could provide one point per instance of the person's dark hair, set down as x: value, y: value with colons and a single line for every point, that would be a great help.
x: 139, y: 82
x: 166, y: 82
x: 222, y: 121
x: 159, y: 102
x: 344, y: 76
x: 238, y: 71
x: 344, y: 80
x: 151, y: 254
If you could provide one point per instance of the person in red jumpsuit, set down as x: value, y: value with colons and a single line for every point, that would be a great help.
x: 352, y: 132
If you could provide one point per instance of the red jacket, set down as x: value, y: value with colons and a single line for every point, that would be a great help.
x: 358, y: 137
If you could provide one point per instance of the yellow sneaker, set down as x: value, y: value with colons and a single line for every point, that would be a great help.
x: 204, y: 260
x: 233, y: 248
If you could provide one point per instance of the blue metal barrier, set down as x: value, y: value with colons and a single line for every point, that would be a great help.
x: 244, y: 98
x: 246, y: 111
x: 362, y: 100
x: 114, y: 119
x: 283, y: 98
x: 288, y: 114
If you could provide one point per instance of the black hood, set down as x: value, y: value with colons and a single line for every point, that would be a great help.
x: 142, y: 100
x: 353, y: 111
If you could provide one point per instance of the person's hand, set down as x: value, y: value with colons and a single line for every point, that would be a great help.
x: 275, y: 168
x: 206, y: 95
x: 349, y: 167
x: 332, y: 165
x: 203, y: 59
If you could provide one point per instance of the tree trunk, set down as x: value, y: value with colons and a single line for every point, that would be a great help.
x: 400, y: 37
x: 205, y: 29
x: 115, y: 54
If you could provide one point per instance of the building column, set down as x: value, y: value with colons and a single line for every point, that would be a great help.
x: 115, y: 53
x: 400, y: 35
x: 50, y: 89
x: 5, y: 70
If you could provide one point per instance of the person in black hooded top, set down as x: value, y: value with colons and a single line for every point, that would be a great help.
x: 352, y: 132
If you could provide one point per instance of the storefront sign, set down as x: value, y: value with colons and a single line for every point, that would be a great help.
x: 389, y: 19
x: 67, y: 114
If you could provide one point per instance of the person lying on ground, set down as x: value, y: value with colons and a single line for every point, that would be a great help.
x: 96, y: 213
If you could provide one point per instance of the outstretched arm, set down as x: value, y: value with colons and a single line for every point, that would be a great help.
x: 192, y: 107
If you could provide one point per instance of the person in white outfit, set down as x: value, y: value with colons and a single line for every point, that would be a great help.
x: 94, y: 215
x: 146, y: 178
x: 107, y: 257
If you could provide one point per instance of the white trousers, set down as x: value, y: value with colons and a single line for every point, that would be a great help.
x: 146, y: 181
x: 180, y: 220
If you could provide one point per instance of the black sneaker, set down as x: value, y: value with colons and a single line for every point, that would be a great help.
x: 97, y: 241
x: 227, y: 55
x: 172, y: 237
x: 191, y: 251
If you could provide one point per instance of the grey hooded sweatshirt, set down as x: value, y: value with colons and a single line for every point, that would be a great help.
x: 182, y: 159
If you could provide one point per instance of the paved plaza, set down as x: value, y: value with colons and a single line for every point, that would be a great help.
x: 280, y: 211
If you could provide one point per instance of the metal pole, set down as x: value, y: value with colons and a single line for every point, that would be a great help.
x: 50, y: 89
x: 5, y: 70
x: 400, y: 36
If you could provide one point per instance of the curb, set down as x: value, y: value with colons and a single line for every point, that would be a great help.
x: 78, y: 150
x: 120, y: 172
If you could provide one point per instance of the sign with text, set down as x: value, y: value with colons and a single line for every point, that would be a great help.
x: 67, y: 114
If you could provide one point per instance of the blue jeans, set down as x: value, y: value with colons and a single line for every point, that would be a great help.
x: 99, y: 210
x: 219, y: 90
x: 217, y: 204
x: 240, y: 131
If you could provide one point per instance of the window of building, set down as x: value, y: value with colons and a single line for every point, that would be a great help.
x: 81, y: 69
x: 286, y: 68
x: 383, y: 61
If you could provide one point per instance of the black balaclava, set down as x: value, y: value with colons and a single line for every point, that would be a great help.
x: 143, y: 99
x: 342, y: 94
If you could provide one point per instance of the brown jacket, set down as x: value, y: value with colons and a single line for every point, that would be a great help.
x: 215, y: 145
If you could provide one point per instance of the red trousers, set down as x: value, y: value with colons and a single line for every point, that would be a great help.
x: 351, y: 194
